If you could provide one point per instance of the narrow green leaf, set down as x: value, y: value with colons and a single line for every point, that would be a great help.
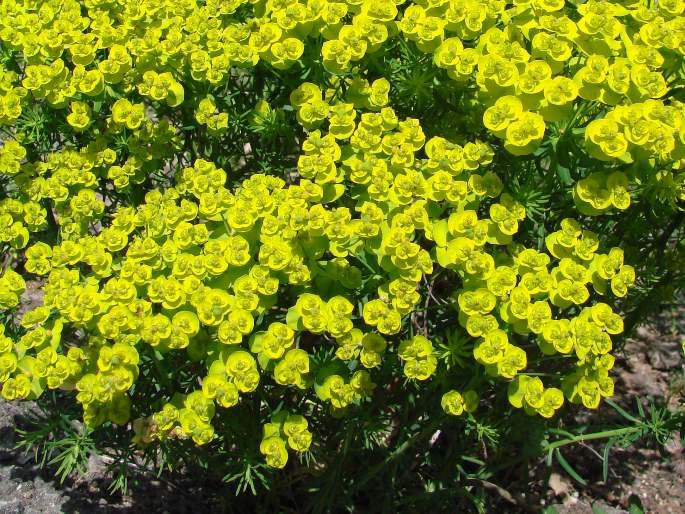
x: 569, y: 469
x: 622, y: 412
x: 605, y: 460
x: 640, y: 409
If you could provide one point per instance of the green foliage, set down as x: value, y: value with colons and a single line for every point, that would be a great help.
x: 56, y: 440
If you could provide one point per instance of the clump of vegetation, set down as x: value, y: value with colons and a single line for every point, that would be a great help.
x: 373, y: 244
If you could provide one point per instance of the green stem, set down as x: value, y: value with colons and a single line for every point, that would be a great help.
x: 580, y: 112
x: 163, y: 373
x: 590, y: 437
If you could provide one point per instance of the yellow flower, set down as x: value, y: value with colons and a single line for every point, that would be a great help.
x: 524, y: 135
x: 79, y: 117
x: 275, y: 452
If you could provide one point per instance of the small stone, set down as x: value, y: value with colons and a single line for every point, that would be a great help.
x: 665, y: 355
x: 559, y: 485
x: 608, y: 509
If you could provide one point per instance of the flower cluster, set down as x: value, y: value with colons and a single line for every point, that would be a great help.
x: 200, y: 264
x: 649, y: 130
x: 12, y: 285
x: 455, y: 403
x: 313, y: 283
x: 282, y: 432
x: 205, y: 115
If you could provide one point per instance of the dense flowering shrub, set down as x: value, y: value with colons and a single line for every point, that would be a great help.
x: 172, y: 269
